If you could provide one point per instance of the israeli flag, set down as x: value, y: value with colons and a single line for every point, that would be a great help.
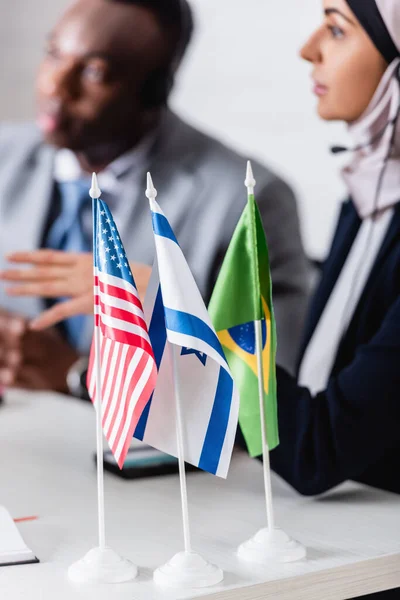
x: 176, y: 315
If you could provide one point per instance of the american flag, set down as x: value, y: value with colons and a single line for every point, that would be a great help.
x: 128, y: 368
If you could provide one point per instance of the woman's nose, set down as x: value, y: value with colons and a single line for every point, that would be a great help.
x: 311, y: 50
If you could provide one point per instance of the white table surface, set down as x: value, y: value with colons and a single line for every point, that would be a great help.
x: 47, y: 469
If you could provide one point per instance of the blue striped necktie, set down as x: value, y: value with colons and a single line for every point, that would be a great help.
x: 67, y: 234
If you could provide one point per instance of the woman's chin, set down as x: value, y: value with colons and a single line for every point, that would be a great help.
x: 327, y: 113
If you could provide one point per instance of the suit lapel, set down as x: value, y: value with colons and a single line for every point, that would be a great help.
x: 25, y: 199
x: 26, y: 202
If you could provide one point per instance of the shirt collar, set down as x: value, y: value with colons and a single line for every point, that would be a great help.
x: 67, y: 168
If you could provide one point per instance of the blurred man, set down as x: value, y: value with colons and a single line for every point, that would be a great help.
x: 103, y: 89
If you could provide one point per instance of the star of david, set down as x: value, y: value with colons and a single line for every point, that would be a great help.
x: 200, y: 355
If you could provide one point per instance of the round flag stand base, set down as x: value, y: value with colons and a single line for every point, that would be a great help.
x: 102, y: 566
x: 188, y: 570
x: 267, y: 546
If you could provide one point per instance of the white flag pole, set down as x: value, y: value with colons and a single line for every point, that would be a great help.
x: 99, y: 445
x: 265, y: 447
x: 95, y: 194
x: 101, y: 564
x: 151, y: 194
x: 270, y: 543
x: 250, y: 185
x: 186, y: 569
x: 180, y: 443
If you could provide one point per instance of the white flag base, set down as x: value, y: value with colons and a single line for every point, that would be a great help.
x: 102, y: 566
x: 267, y: 546
x: 188, y: 570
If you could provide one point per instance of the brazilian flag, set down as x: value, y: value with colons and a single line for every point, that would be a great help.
x: 243, y: 295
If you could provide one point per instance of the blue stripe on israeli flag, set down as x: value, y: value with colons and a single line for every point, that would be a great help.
x: 162, y: 227
x: 191, y: 325
x: 218, y: 424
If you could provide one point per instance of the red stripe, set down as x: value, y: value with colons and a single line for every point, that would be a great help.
x: 106, y: 368
x: 137, y: 413
x: 118, y: 374
x: 132, y: 384
x: 129, y: 356
x: 113, y: 375
x: 120, y: 293
x: 122, y: 315
x: 126, y: 337
x: 24, y: 519
x: 128, y: 398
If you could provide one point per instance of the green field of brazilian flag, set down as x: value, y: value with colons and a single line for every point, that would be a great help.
x: 242, y: 295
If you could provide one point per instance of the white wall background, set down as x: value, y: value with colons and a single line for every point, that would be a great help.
x: 242, y: 81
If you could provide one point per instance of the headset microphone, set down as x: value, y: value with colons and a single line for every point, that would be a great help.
x: 340, y: 149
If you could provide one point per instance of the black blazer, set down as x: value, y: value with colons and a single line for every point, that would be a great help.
x: 352, y: 429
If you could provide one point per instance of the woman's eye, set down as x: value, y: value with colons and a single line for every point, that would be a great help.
x: 336, y: 31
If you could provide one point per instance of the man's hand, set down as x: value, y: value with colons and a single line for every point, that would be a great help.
x: 81, y: 305
x: 55, y: 274
x: 12, y: 330
x: 33, y: 360
x: 52, y: 274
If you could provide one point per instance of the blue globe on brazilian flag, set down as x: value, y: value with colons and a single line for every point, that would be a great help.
x: 243, y: 295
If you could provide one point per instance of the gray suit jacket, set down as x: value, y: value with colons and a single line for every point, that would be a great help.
x: 200, y: 185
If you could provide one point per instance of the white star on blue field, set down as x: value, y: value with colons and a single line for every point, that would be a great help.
x: 109, y: 251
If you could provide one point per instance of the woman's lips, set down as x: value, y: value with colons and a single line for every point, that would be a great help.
x: 319, y: 89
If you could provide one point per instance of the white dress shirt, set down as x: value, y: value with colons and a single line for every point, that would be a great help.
x: 110, y: 180
x: 67, y: 167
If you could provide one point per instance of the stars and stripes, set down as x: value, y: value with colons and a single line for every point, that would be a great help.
x: 128, y: 368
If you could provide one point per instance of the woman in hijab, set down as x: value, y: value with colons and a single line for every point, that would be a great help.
x: 340, y: 418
